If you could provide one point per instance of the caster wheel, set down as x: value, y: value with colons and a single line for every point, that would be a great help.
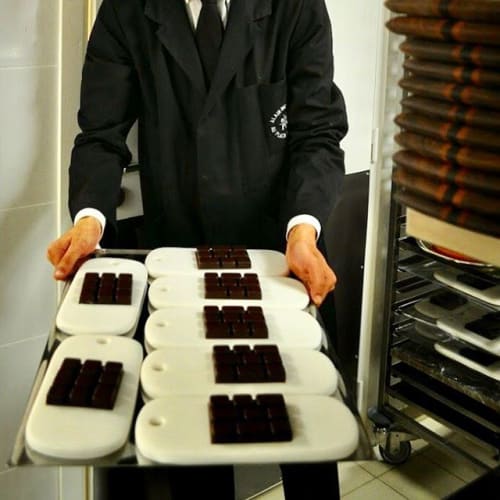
x: 400, y: 457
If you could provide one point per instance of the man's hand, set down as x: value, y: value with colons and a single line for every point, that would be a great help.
x: 67, y: 252
x: 308, y: 264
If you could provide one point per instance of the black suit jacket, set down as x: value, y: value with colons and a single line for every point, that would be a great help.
x: 227, y: 165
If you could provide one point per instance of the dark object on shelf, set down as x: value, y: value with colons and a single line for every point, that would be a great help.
x: 232, y: 286
x: 488, y: 326
x: 234, y: 322
x: 448, y: 300
x: 475, y: 281
x: 447, y: 151
x: 241, y: 364
x: 464, y: 75
x: 448, y: 131
x: 222, y: 257
x: 448, y: 213
x: 106, y: 289
x: 88, y: 384
x: 472, y: 10
x: 478, y: 55
x: 447, y: 171
x: 446, y: 193
x: 464, y: 94
x: 247, y: 420
x: 445, y: 30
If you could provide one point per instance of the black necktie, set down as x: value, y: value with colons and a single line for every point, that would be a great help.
x: 209, y: 32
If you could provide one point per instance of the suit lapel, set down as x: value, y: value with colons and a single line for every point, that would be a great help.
x: 239, y: 37
x: 176, y: 35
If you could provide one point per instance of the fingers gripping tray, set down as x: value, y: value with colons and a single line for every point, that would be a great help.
x: 184, y: 261
x: 194, y: 371
x: 105, y: 297
x: 70, y: 432
x: 275, y: 292
x: 185, y: 327
x: 177, y: 430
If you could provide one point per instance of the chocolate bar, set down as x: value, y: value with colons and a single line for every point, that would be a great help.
x: 244, y: 419
x: 232, y: 286
x: 222, y: 257
x: 88, y: 384
x: 106, y: 289
x: 475, y: 281
x: 488, y: 326
x: 448, y: 300
x: 234, y: 322
x: 241, y: 364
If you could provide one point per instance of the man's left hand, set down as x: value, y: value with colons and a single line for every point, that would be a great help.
x: 308, y: 264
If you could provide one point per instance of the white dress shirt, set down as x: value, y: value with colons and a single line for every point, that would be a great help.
x: 193, y: 11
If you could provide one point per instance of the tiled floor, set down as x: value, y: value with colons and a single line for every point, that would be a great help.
x: 429, y: 474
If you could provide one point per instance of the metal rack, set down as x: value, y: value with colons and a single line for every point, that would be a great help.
x: 414, y: 378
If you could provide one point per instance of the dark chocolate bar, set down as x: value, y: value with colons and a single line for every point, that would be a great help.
x: 88, y: 384
x: 448, y: 300
x: 234, y: 322
x: 106, y: 289
x: 244, y: 419
x: 475, y: 281
x: 232, y: 286
x: 487, y: 326
x: 222, y: 257
x: 241, y: 364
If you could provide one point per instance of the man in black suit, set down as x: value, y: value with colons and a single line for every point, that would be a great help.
x: 238, y: 135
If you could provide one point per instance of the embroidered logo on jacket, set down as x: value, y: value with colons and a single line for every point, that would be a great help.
x: 279, y: 123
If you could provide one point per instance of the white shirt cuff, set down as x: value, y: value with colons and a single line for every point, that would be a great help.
x: 92, y: 212
x: 303, y: 219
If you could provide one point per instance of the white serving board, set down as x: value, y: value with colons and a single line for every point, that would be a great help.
x: 190, y: 371
x: 492, y: 371
x: 453, y: 323
x: 184, y: 327
x: 77, y: 433
x: 189, y: 291
x: 182, y: 261
x: 176, y: 430
x: 449, y: 277
x: 74, y: 318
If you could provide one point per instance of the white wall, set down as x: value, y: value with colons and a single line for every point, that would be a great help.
x: 356, y: 28
x: 28, y: 170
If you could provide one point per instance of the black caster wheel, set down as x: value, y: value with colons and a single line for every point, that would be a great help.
x: 400, y: 457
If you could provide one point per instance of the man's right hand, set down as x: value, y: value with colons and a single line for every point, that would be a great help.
x: 67, y: 252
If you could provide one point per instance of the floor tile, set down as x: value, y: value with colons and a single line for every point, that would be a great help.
x: 486, y: 455
x: 421, y: 479
x: 375, y: 489
x: 460, y: 468
x: 375, y: 467
x: 352, y: 476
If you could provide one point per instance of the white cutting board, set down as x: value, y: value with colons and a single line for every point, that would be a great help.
x: 73, y: 433
x: 453, y: 323
x: 176, y: 430
x: 74, y: 318
x: 182, y: 261
x: 190, y: 371
x: 449, y: 277
x: 492, y: 370
x: 189, y: 291
x: 184, y: 327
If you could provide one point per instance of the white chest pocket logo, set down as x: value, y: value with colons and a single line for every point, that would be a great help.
x: 279, y: 123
